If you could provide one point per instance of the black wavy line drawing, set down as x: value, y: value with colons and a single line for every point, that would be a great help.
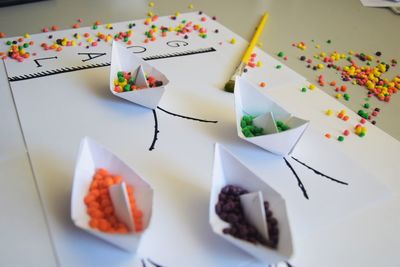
x: 156, y: 131
x: 299, y: 182
x: 320, y: 173
x: 185, y: 117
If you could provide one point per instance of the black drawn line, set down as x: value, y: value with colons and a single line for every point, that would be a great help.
x: 320, y: 173
x: 142, y: 49
x: 300, y: 184
x: 154, y: 264
x: 156, y: 131
x: 90, y: 57
x: 185, y: 117
x: 105, y: 64
x: 177, y: 43
x: 44, y: 58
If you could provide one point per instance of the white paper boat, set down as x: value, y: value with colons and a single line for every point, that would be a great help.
x: 124, y: 60
x: 91, y: 157
x: 229, y: 170
x: 250, y: 101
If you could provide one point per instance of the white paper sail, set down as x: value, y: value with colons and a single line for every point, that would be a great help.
x: 250, y: 101
x: 91, y: 157
x: 228, y: 170
x: 124, y: 60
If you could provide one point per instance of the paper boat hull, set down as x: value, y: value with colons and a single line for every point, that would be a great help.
x: 250, y: 101
x: 228, y: 169
x: 124, y: 60
x: 91, y: 157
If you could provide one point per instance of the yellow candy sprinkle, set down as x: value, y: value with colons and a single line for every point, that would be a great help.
x: 338, y: 96
x: 320, y: 66
x: 311, y: 87
x: 191, y: 6
x: 151, y: 4
x: 329, y: 112
x: 233, y: 41
x: 26, y: 35
x: 259, y: 64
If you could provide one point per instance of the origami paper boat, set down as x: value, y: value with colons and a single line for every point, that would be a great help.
x: 228, y: 170
x: 124, y: 60
x: 250, y: 101
x: 91, y: 157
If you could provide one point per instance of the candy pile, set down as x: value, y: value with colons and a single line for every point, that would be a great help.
x: 229, y: 209
x: 125, y: 82
x: 363, y: 73
x: 18, y: 49
x: 100, y: 207
x: 248, y: 129
x: 282, y: 126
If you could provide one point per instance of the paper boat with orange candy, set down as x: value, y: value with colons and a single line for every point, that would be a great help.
x: 145, y: 92
x: 249, y: 101
x: 91, y: 158
x: 228, y: 170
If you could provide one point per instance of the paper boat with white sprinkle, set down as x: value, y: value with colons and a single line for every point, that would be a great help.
x: 91, y: 157
x: 249, y: 101
x: 124, y: 60
x: 228, y: 170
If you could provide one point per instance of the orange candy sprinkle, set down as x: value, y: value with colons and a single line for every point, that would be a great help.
x: 100, y: 207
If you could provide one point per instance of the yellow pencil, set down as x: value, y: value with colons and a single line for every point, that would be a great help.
x: 230, y: 85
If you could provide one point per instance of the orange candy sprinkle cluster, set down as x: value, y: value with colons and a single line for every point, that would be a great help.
x: 100, y: 207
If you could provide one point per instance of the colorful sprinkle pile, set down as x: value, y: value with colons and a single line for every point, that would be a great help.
x: 125, y: 82
x: 100, y: 207
x: 248, y: 129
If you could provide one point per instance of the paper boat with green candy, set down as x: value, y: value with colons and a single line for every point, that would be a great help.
x: 269, y: 126
x: 228, y: 170
x: 123, y: 60
x: 91, y: 157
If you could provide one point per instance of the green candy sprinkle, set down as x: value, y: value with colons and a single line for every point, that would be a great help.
x: 281, y: 54
x: 340, y: 138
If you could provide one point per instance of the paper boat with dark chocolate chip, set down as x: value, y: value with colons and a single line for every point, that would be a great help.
x: 144, y: 92
x: 263, y: 122
x: 92, y: 157
x: 247, y: 212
